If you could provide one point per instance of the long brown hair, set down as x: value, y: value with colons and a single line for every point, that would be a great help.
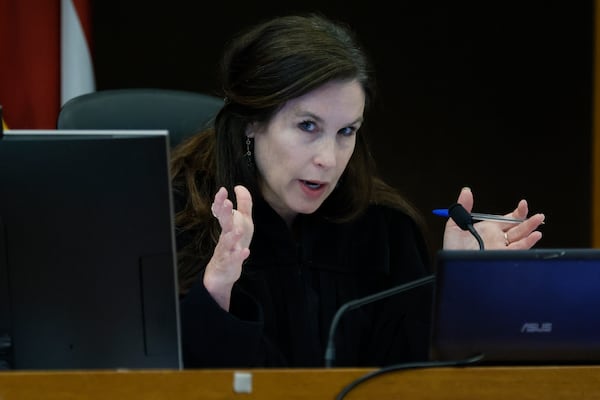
x: 263, y: 68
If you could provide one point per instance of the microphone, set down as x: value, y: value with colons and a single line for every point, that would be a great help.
x: 464, y: 220
x: 352, y: 304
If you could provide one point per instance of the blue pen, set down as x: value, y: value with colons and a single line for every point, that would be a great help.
x: 443, y: 212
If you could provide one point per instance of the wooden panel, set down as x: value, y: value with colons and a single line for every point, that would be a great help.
x: 481, y: 383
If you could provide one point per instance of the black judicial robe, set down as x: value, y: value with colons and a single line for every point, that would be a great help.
x: 292, y: 285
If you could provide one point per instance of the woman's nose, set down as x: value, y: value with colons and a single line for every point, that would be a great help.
x: 325, y: 155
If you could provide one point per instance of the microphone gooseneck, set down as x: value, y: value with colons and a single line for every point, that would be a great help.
x: 464, y: 220
x: 351, y: 305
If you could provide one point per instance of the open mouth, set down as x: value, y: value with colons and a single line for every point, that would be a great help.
x: 312, y: 185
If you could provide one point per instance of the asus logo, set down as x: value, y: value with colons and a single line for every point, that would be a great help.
x: 536, y: 327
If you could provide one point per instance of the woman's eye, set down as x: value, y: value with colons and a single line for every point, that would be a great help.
x: 308, y: 126
x: 348, y: 131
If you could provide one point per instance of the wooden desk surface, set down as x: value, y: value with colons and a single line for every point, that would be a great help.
x: 551, y: 382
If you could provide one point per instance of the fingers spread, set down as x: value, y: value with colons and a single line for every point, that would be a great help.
x: 217, y: 205
x: 527, y: 242
x: 244, y: 200
x: 521, y: 211
x: 525, y: 235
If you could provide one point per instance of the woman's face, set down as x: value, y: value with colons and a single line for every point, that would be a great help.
x: 303, y: 150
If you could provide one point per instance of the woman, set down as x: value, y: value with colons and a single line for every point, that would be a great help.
x: 281, y: 218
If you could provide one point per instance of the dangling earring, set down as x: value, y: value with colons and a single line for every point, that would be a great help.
x: 249, y: 152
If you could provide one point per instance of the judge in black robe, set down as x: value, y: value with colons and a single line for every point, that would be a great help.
x: 294, y: 282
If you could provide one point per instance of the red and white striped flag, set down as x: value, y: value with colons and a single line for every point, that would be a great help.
x: 45, y: 59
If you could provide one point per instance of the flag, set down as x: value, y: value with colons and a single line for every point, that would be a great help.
x: 45, y: 59
x: 77, y: 71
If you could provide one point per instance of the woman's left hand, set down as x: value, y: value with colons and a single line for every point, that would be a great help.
x: 495, y: 235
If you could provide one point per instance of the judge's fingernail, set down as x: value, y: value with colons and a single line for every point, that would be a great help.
x: 466, y: 188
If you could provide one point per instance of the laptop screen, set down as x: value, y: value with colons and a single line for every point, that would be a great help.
x: 538, y: 305
x: 87, y: 265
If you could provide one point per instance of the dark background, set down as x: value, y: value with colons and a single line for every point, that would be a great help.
x: 492, y: 95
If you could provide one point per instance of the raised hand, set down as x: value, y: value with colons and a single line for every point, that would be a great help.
x: 495, y: 235
x: 237, y: 228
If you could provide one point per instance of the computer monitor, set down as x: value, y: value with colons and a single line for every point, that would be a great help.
x: 87, y: 251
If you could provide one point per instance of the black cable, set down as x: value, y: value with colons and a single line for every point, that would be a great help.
x: 397, y: 367
x: 330, y: 350
x: 471, y: 229
x: 464, y: 220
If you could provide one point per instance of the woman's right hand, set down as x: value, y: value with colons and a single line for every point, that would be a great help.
x: 237, y: 228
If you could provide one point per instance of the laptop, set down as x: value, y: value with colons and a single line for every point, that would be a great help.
x: 87, y: 251
x: 523, y: 306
